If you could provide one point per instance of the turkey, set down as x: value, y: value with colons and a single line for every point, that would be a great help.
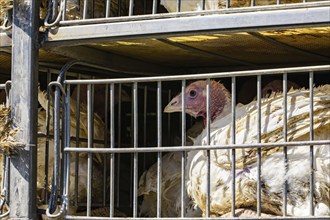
x: 273, y: 168
x: 99, y: 93
x: 171, y: 176
x: 196, y: 5
x: 82, y: 175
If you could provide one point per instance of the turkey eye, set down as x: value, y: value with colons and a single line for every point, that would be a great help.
x: 192, y: 93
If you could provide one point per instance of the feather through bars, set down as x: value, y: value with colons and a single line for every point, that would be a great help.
x: 272, y: 170
x: 7, y: 133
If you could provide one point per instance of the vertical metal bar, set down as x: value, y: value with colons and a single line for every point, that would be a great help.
x: 203, y: 4
x: 285, y: 132
x: 108, y: 8
x: 92, y: 8
x: 183, y: 143
x: 132, y: 156
x: 145, y: 124
x: 24, y: 102
x: 178, y: 5
x: 106, y: 140
x: 135, y: 145
x: 233, y: 141
x: 227, y: 3
x: 55, y: 10
x: 154, y: 7
x: 89, y: 145
x: 208, y: 156
x: 259, y: 150
x: 131, y: 7
x: 66, y: 179
x: 85, y: 9
x: 169, y: 120
x: 112, y: 145
x: 159, y: 144
x: 56, y: 170
x: 253, y: 3
x: 77, y: 144
x: 311, y: 151
x: 64, y: 10
x: 119, y: 7
x: 119, y: 145
x: 47, y: 139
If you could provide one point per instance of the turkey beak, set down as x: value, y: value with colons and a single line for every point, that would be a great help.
x: 174, y: 105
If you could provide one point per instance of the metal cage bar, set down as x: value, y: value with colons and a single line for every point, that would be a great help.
x: 112, y: 145
x: 135, y: 145
x: 285, y: 128
x: 208, y: 155
x: 183, y: 143
x: 159, y: 144
x: 233, y: 141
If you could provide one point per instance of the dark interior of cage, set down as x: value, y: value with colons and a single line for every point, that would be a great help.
x: 147, y: 130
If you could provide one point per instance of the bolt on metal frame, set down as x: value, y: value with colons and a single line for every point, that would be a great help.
x: 135, y: 149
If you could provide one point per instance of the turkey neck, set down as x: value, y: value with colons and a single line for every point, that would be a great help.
x: 220, y: 100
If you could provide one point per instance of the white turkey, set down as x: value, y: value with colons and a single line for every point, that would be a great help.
x: 171, y: 176
x: 273, y: 168
x: 196, y: 5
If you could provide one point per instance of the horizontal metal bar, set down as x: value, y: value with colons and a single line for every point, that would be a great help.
x: 230, y: 218
x: 199, y: 147
x: 169, y: 27
x: 204, y: 76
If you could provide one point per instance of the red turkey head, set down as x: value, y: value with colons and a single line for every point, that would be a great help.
x: 195, y: 98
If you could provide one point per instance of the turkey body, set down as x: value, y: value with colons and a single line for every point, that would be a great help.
x: 83, y: 131
x: 273, y: 167
x: 171, y: 189
x: 196, y: 5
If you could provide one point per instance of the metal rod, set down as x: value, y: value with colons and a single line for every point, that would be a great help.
x: 227, y: 4
x: 106, y: 140
x: 183, y: 143
x: 311, y: 116
x: 132, y: 155
x: 108, y: 8
x: 187, y: 218
x: 203, y: 4
x: 145, y: 124
x: 119, y: 144
x: 47, y: 139
x: 154, y: 7
x: 131, y: 7
x: 159, y: 144
x: 89, y: 145
x: 178, y: 7
x: 233, y: 141
x: 208, y: 156
x: 112, y: 145
x: 259, y: 148
x: 77, y: 143
x: 85, y: 10
x: 135, y: 145
x: 66, y: 178
x: 197, y: 147
x: 285, y: 149
x: 203, y: 76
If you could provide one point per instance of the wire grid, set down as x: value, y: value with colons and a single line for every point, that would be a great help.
x: 111, y: 150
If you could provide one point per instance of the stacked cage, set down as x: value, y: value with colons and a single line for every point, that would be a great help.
x: 165, y: 109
